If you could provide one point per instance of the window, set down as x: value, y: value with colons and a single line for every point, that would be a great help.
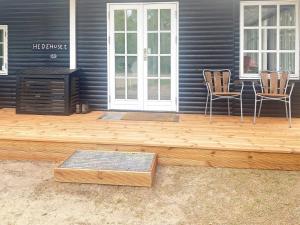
x: 3, y: 50
x: 269, y: 38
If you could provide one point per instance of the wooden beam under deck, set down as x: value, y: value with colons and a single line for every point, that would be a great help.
x: 193, y: 141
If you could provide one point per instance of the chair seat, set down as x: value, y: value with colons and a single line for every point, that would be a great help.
x: 227, y: 93
x: 273, y: 95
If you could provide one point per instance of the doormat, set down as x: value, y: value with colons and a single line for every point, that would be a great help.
x: 141, y: 116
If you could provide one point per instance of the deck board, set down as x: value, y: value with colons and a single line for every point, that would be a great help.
x: 192, y: 141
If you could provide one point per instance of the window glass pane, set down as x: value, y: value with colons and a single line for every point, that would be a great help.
x: 1, y: 50
x: 251, y: 63
x: 131, y: 43
x: 269, y: 15
x: 1, y: 63
x: 131, y: 66
x: 165, y: 19
x: 165, y: 89
x: 269, y: 39
x: 251, y: 14
x: 1, y: 35
x: 131, y: 20
x: 165, y: 66
x: 287, y: 15
x: 287, y: 39
x: 251, y: 39
x: 120, y: 66
x: 287, y: 62
x: 119, y: 20
x: 120, y: 88
x: 132, y: 89
x: 153, y: 43
x: 152, y: 18
x: 152, y: 89
x: 120, y: 43
x: 152, y: 66
x: 269, y: 61
x: 165, y: 43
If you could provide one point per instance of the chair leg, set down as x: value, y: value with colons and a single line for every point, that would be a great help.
x: 286, y: 109
x: 206, y: 103
x: 210, y: 114
x: 290, y: 114
x: 228, y: 106
x: 241, y: 105
x: 260, y: 105
x: 255, y: 101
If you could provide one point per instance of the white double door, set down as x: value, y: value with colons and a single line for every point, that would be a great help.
x: 143, y: 70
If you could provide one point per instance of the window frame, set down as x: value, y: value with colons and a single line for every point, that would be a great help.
x: 5, y: 49
x: 243, y: 75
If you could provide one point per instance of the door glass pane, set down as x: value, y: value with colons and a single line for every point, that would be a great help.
x: 131, y: 66
x: 152, y: 89
x: 165, y: 43
x: 120, y: 88
x: 131, y: 20
x: 132, y: 89
x: 287, y: 62
x: 251, y: 39
x: 153, y: 43
x: 251, y: 63
x: 120, y: 66
x: 119, y: 20
x: 131, y: 43
x: 251, y: 14
x: 152, y: 19
x: 269, y: 61
x: 165, y: 19
x: 1, y: 35
x: 287, y: 39
x: 152, y: 66
x: 165, y: 66
x: 120, y: 43
x: 268, y: 39
x: 165, y: 89
x: 287, y: 15
x: 269, y: 15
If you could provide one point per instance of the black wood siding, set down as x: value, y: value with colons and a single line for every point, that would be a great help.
x: 208, y: 38
x: 30, y: 21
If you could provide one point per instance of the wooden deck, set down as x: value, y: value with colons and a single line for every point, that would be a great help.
x: 269, y: 144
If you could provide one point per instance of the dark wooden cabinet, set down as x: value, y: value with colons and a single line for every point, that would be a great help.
x: 47, y: 91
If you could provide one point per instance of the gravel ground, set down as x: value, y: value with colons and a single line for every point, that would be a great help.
x: 181, y: 195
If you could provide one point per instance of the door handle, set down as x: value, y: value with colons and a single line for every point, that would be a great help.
x: 145, y: 54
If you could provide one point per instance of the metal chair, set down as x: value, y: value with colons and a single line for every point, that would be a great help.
x: 274, y: 86
x: 218, y: 87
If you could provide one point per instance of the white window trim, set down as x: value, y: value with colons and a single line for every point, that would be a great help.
x: 4, y: 71
x: 268, y: 2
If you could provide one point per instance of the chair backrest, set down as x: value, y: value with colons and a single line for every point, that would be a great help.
x: 218, y: 80
x: 274, y: 82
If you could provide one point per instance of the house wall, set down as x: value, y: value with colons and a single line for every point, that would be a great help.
x: 208, y: 38
x: 31, y: 21
x: 205, y: 41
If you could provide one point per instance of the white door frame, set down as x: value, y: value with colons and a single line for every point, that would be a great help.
x: 127, y: 104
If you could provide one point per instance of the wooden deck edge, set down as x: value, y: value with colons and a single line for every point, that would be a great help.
x: 57, y: 152
x: 88, y: 176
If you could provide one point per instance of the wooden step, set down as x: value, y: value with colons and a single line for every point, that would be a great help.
x: 103, y: 167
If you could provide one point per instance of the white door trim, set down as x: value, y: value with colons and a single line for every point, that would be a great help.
x: 73, y: 57
x: 110, y: 61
